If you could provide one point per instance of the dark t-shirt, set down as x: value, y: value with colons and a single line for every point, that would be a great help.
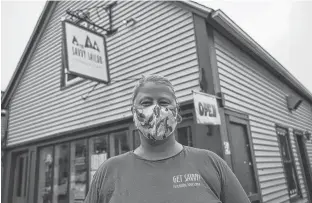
x: 192, y: 176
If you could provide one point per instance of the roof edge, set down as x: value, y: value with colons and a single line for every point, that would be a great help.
x: 223, y: 20
x: 19, y: 68
x: 194, y: 7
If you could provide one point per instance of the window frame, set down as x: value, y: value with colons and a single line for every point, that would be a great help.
x: 291, y: 162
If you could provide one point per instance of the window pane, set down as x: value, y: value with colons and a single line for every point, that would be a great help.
x: 25, y: 175
x: 98, y: 147
x: 78, y: 171
x: 20, y: 177
x: 45, y: 175
x: 291, y: 178
x: 136, y: 139
x: 120, y: 143
x: 185, y: 136
x: 61, y: 174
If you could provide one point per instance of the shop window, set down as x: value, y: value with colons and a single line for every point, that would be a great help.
x: 119, y: 143
x: 136, y: 139
x: 184, y: 136
x: 288, y: 163
x: 98, y: 150
x: 61, y: 173
x: 65, y: 171
x: 45, y: 175
x: 78, y: 171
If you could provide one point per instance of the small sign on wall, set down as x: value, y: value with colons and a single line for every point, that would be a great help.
x: 85, y: 53
x: 227, y: 150
x: 206, y: 109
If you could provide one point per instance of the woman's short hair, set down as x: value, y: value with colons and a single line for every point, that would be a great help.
x: 157, y: 79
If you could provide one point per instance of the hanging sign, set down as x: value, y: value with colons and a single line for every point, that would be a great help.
x: 206, y: 109
x: 85, y: 53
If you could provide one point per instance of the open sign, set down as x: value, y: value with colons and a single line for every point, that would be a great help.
x: 206, y: 109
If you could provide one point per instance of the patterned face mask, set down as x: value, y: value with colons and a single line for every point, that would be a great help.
x: 156, y: 122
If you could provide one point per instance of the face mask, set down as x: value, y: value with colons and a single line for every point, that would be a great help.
x: 156, y: 122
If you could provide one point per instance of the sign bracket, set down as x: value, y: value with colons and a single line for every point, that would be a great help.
x: 84, y: 97
x: 84, y: 16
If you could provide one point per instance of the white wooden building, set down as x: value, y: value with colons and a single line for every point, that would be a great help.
x: 56, y: 139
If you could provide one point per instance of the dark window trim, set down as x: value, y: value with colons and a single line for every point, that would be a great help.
x: 293, y: 164
x: 296, y: 133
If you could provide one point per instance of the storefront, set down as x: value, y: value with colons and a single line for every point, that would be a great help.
x: 61, y: 127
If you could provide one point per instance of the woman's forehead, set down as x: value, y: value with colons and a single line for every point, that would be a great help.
x: 155, y: 90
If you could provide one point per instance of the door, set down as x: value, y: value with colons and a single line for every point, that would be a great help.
x: 20, y: 178
x: 241, y: 155
x: 305, y: 164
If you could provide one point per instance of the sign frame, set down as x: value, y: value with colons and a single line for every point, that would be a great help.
x: 219, y: 123
x: 64, y: 40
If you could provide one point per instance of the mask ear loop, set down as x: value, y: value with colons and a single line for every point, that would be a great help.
x: 179, y: 117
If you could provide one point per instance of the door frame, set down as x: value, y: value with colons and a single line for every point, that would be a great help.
x: 295, y: 134
x: 243, y: 119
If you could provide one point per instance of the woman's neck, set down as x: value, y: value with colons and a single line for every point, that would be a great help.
x: 160, y: 149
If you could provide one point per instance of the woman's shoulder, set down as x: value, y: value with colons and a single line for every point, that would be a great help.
x: 114, y: 162
x: 204, y: 155
x: 200, y: 152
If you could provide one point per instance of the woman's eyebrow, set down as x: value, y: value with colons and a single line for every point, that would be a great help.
x: 146, y: 98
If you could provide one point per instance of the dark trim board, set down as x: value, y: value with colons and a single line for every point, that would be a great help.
x: 209, y: 74
x: 295, y: 134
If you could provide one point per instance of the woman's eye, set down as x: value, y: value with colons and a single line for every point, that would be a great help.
x: 164, y: 103
x: 146, y: 103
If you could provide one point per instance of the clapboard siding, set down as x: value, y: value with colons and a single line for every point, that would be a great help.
x: 249, y: 88
x: 162, y: 41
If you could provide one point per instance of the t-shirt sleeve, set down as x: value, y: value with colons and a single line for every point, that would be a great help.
x: 231, y: 189
x: 102, y: 185
x: 93, y: 193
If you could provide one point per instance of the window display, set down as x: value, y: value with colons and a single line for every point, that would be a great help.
x: 120, y: 143
x: 98, y: 150
x: 61, y: 174
x: 66, y: 170
x: 45, y: 175
x: 78, y: 171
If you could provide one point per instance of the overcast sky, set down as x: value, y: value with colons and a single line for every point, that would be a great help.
x: 283, y: 28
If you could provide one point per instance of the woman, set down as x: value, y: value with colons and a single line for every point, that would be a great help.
x: 161, y: 170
